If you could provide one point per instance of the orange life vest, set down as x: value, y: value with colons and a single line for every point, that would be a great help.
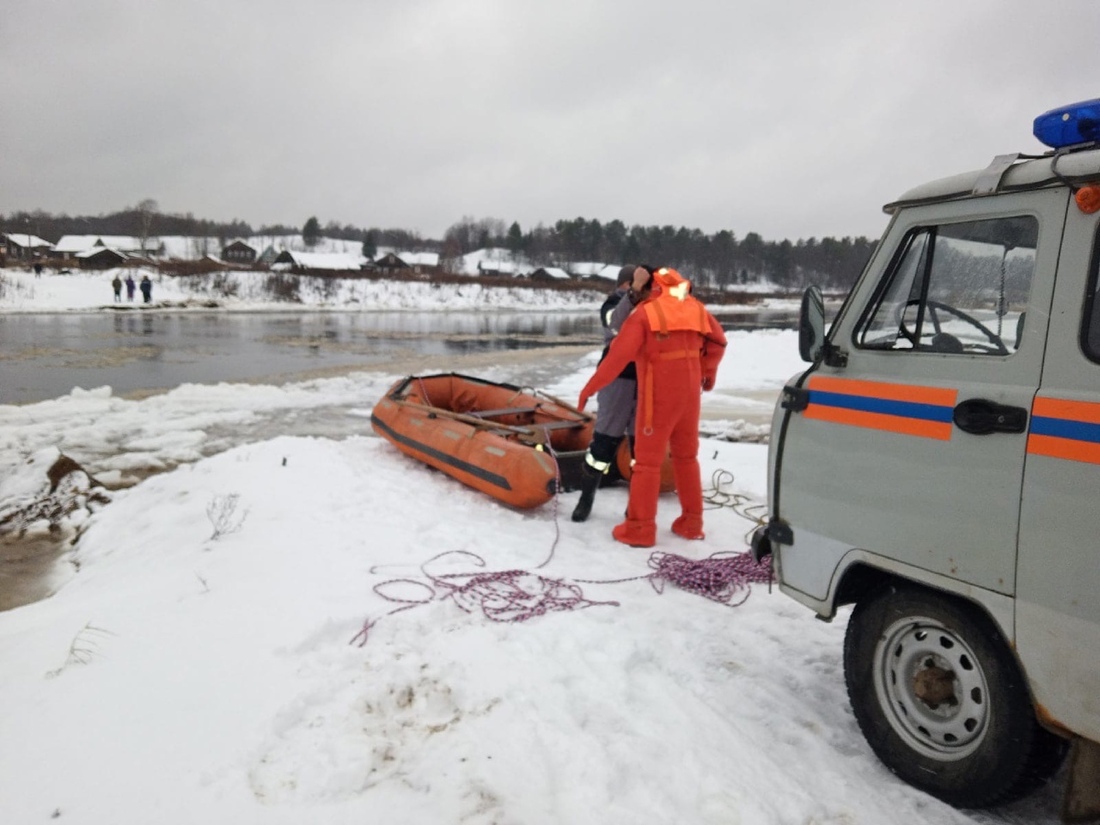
x: 672, y: 308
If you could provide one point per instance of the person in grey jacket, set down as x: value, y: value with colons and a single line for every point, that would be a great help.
x: 616, y: 402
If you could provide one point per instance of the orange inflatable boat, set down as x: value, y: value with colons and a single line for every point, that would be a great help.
x: 515, y: 444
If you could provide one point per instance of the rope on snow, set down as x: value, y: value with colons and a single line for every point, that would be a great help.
x: 719, y: 577
x: 519, y: 595
x: 502, y: 596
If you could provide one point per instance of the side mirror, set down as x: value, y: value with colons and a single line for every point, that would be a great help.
x: 811, y: 325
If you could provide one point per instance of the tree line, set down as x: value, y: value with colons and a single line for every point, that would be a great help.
x: 716, y: 261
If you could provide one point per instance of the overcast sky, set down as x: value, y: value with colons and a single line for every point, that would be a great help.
x: 791, y: 119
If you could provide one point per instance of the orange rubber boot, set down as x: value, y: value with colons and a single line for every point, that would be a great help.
x: 689, y: 527
x: 689, y: 489
x: 636, y: 533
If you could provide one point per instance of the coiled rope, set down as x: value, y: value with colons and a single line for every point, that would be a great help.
x: 519, y: 595
x: 719, y: 577
x: 502, y: 596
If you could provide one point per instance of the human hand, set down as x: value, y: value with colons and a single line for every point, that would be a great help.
x: 708, y: 383
x: 582, y: 402
x: 641, y: 279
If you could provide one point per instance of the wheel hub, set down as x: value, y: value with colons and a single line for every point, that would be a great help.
x: 935, y: 685
x: 931, y: 688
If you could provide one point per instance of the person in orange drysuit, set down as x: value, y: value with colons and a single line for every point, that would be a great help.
x: 676, y: 346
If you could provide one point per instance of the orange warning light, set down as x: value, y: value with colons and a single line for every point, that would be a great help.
x: 1088, y: 199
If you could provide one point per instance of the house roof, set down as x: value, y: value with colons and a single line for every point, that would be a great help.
x: 554, y: 272
x: 82, y: 243
x: 493, y: 258
x: 414, y: 258
x: 339, y: 261
x: 585, y: 268
x: 99, y: 250
x: 496, y: 265
x: 27, y: 241
x: 610, y: 272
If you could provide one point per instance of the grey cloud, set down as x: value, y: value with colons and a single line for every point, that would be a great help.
x: 792, y: 119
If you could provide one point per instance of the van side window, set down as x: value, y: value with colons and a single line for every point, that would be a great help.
x: 956, y: 288
x: 1090, y: 331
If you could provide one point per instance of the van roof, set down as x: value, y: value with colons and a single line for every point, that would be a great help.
x: 1008, y: 173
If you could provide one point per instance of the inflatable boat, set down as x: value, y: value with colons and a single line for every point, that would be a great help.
x: 517, y: 445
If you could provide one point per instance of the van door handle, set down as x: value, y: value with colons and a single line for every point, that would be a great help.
x: 980, y: 417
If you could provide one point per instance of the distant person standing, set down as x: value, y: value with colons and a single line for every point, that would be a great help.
x: 130, y: 286
x: 146, y: 288
x: 116, y: 285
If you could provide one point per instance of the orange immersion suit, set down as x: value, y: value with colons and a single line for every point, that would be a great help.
x: 676, y: 346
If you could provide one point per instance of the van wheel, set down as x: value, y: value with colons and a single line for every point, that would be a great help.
x: 941, y: 700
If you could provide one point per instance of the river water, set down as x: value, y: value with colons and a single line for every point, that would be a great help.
x: 44, y: 356
x: 140, y: 353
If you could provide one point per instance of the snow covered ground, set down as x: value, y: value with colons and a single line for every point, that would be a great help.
x: 199, y: 661
x: 22, y: 291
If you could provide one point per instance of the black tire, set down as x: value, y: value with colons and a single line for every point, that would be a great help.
x: 941, y: 700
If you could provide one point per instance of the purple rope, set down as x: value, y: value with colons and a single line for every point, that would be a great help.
x: 719, y: 577
x: 503, y: 596
x: 518, y: 595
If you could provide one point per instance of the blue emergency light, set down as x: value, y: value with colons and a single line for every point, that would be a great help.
x: 1070, y: 125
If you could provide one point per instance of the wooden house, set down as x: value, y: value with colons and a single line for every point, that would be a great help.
x: 102, y: 257
x: 240, y: 252
x: 21, y: 247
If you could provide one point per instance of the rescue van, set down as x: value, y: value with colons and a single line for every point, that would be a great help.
x: 938, y: 467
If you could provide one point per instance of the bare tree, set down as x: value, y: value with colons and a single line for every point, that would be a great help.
x: 147, y: 209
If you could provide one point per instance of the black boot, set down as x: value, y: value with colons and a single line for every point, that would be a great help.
x: 590, y: 480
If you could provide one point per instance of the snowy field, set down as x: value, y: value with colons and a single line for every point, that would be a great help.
x: 22, y: 291
x: 200, y: 661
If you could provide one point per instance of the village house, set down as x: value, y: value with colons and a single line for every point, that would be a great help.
x: 102, y: 257
x: 417, y: 262
x: 316, y: 262
x: 550, y: 274
x: 497, y: 267
x: 21, y: 247
x: 71, y: 246
x: 239, y: 251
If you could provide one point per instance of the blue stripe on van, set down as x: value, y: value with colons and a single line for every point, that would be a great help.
x: 864, y: 403
x: 1064, y: 428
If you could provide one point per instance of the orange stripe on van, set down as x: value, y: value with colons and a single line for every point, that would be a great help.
x: 878, y: 421
x: 1064, y: 448
x: 881, y: 389
x: 1087, y: 411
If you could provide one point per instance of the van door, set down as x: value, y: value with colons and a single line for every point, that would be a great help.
x: 1058, y: 578
x: 913, y: 450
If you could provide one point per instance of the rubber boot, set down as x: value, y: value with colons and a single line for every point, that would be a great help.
x: 590, y: 480
x: 636, y: 532
x: 640, y: 527
x: 689, y: 526
x: 689, y: 489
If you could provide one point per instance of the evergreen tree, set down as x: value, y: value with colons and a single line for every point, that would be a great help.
x: 515, y: 238
x: 311, y: 232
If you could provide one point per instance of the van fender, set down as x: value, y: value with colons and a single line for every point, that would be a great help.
x: 860, y: 572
